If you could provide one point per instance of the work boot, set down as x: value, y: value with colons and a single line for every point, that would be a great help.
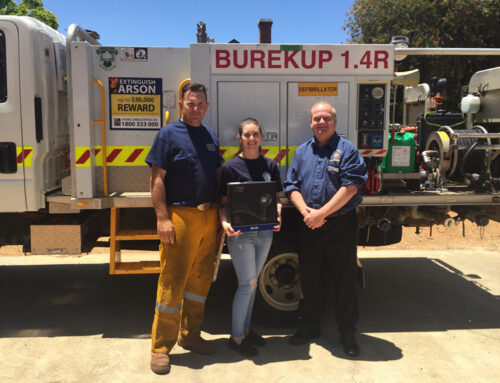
x: 198, y: 345
x: 245, y: 348
x: 160, y: 363
x: 349, y: 344
x: 255, y: 339
x: 304, y: 335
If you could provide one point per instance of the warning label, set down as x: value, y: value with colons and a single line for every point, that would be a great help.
x: 135, y: 103
x: 318, y: 89
x: 401, y: 156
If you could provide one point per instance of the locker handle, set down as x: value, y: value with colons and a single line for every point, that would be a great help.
x: 38, y: 119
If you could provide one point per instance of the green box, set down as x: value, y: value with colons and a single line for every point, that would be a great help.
x: 401, y: 154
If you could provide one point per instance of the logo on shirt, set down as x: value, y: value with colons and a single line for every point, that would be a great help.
x: 336, y: 156
x: 266, y: 176
x: 333, y: 168
x: 211, y: 147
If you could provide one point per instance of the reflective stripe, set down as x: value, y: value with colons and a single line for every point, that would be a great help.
x: 168, y: 309
x: 194, y: 297
x: 24, y: 155
x: 115, y: 155
x: 272, y: 152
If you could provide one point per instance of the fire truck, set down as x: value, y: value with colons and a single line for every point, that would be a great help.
x: 78, y: 118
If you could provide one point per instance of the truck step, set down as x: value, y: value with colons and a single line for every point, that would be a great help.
x: 117, y: 235
x: 137, y: 235
x: 141, y: 267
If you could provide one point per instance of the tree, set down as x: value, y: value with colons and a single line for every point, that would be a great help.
x: 33, y: 8
x: 432, y: 23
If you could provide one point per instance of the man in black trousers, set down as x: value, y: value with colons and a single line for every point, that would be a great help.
x: 322, y: 182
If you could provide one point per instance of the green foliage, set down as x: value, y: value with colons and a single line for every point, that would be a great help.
x: 432, y: 23
x: 33, y: 8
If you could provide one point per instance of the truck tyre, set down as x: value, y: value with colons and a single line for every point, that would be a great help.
x: 279, y: 292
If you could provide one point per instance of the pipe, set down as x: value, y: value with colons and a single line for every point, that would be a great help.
x: 102, y: 122
x: 478, y: 147
x: 448, y: 51
x: 75, y: 33
x: 464, y: 134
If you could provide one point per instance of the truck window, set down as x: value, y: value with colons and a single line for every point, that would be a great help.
x: 3, y: 68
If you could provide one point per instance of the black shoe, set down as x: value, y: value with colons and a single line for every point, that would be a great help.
x: 255, y: 339
x: 244, y: 348
x: 304, y: 335
x: 349, y: 344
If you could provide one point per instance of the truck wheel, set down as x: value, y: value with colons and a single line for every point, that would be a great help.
x: 279, y: 288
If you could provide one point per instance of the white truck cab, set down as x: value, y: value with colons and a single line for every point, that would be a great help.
x: 34, y: 134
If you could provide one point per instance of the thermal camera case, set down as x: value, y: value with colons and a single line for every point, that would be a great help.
x: 252, y: 205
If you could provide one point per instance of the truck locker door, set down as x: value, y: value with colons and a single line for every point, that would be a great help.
x: 302, y: 96
x: 237, y: 100
x: 14, y: 157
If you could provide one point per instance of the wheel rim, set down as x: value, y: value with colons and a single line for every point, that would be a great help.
x: 279, y: 282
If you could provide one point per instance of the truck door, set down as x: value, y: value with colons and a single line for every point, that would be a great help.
x: 13, y: 156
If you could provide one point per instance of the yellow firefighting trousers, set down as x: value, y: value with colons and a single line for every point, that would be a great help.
x: 186, y: 270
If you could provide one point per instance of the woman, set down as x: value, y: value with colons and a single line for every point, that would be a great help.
x: 249, y: 249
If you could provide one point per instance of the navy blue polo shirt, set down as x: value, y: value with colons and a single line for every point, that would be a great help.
x: 239, y: 169
x: 191, y: 156
x: 318, y: 172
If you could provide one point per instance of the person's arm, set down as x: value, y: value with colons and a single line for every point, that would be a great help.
x: 164, y: 224
x: 279, y: 206
x: 298, y: 201
x: 218, y: 178
x: 316, y: 218
x: 353, y: 175
x: 226, y: 226
x: 307, y: 212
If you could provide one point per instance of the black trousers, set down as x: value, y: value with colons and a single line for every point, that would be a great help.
x: 329, y: 251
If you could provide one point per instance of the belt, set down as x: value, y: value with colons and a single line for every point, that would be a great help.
x: 206, y: 206
x: 338, y: 213
x: 201, y: 206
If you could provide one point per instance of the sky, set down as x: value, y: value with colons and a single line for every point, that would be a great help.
x: 173, y: 23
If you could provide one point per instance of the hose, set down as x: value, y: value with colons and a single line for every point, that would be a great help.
x: 469, y: 176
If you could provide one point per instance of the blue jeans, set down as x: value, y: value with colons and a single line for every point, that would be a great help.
x: 249, y: 253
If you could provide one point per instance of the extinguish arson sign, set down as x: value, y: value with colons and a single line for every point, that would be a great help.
x: 135, y: 103
x: 338, y: 59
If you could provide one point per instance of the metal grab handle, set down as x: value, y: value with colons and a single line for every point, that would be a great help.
x: 103, y: 138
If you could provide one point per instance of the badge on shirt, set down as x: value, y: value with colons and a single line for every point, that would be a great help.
x: 336, y: 156
x: 333, y: 168
x: 266, y: 176
x: 211, y: 147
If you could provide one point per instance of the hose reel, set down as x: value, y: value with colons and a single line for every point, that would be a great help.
x: 470, y: 151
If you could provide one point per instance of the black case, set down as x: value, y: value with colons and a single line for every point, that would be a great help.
x: 252, y: 205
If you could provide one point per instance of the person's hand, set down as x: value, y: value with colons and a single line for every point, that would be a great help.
x: 229, y: 229
x: 166, y: 231
x: 314, y: 219
x: 305, y: 211
x: 278, y: 226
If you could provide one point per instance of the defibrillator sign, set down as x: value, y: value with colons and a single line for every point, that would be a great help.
x: 135, y: 103
x: 318, y: 89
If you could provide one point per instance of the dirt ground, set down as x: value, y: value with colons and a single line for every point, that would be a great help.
x: 468, y: 236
